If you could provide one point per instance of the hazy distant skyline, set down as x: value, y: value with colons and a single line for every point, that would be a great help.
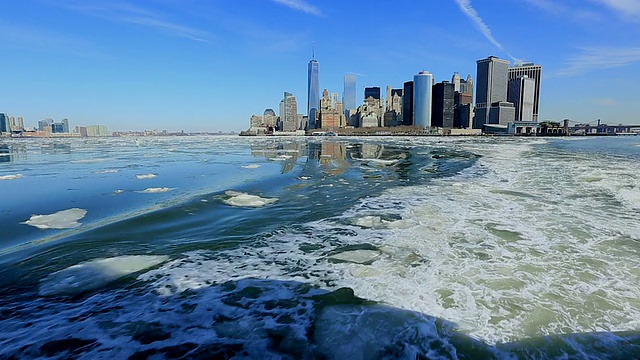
x: 207, y: 65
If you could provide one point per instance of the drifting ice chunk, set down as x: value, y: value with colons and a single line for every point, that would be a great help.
x: 11, y: 177
x: 245, y: 200
x: 64, y: 219
x: 96, y: 273
x: 155, y: 190
x: 146, y: 176
x: 251, y: 166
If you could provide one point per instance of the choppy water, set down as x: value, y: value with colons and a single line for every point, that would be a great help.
x: 338, y: 248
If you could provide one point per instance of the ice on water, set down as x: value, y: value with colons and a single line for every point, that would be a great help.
x: 94, y: 274
x: 240, y: 199
x: 11, y: 177
x: 146, y: 176
x: 64, y: 219
x: 155, y: 190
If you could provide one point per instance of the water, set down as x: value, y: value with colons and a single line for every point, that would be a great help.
x: 320, y: 248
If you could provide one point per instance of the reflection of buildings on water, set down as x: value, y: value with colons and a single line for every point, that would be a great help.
x: 5, y: 153
x: 286, y: 152
x: 12, y: 152
x: 56, y: 148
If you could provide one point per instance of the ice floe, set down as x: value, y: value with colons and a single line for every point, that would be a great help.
x: 107, y: 171
x: 146, y: 176
x: 235, y: 198
x: 251, y: 166
x: 64, y: 219
x: 96, y: 273
x: 155, y: 190
x: 11, y: 177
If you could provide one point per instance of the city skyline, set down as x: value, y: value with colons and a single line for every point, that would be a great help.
x: 189, y: 65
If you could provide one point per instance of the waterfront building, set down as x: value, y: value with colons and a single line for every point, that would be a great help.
x: 331, y: 116
x: 521, y: 92
x: 491, y: 87
x: 501, y: 113
x: 20, y: 123
x: 255, y: 121
x: 407, y: 104
x: 443, y: 105
x: 533, y: 72
x: 463, y: 116
x: 5, y: 126
x: 269, y: 118
x: 289, y: 113
x: 422, y: 99
x: 313, y: 92
x: 455, y: 80
x: 45, y: 125
x: 349, y: 93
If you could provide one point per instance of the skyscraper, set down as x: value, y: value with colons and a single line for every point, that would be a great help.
x: 349, y: 94
x: 491, y: 87
x: 443, y: 104
x: 422, y: 99
x: 290, y: 112
x: 521, y: 93
x: 313, y: 92
x: 4, y: 123
x: 373, y: 91
x: 533, y: 72
x: 407, y: 104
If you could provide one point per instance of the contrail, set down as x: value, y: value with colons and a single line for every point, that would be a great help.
x: 467, y: 9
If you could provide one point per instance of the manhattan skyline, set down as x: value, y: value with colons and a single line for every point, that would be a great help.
x: 205, y: 66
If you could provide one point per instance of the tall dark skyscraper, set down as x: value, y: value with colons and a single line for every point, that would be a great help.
x: 407, y: 104
x: 443, y: 105
x: 313, y: 92
x: 373, y: 92
x: 4, y: 123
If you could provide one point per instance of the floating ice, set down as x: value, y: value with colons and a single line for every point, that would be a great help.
x: 251, y: 166
x: 146, y: 176
x: 107, y: 171
x: 96, y: 273
x: 90, y: 161
x: 118, y: 192
x: 64, y: 219
x: 155, y: 190
x: 11, y: 177
x: 241, y: 199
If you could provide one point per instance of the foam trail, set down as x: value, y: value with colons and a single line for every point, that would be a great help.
x: 64, y: 219
x: 96, y: 273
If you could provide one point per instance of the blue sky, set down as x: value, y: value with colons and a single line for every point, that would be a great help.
x: 207, y: 65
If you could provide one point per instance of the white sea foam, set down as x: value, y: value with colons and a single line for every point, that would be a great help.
x: 356, y: 256
x: 240, y: 199
x: 64, y: 219
x: 11, y: 177
x: 155, y: 190
x: 251, y: 166
x: 97, y: 273
x: 146, y: 176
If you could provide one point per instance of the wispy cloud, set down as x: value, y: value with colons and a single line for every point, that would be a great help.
x: 47, y: 40
x: 471, y: 13
x: 598, y: 58
x: 630, y: 8
x: 127, y: 13
x: 581, y: 15
x: 300, y: 5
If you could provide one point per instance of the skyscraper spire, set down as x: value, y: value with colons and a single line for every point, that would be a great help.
x: 313, y: 50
